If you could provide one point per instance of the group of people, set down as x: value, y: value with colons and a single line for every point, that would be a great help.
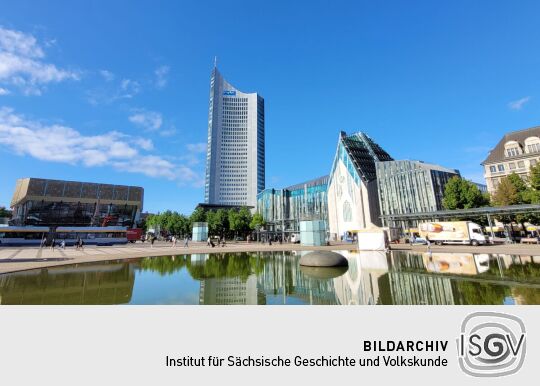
x: 220, y: 242
x: 79, y: 244
x: 174, y: 240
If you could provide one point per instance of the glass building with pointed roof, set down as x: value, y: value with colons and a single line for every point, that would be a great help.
x: 235, y: 168
x: 353, y: 201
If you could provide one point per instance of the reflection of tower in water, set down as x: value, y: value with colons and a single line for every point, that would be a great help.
x: 229, y: 290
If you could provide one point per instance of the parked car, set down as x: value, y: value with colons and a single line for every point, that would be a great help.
x: 418, y: 241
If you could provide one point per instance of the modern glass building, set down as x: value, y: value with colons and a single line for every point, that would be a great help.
x: 283, y: 209
x: 353, y: 202
x: 235, y: 168
x: 45, y: 202
x: 411, y: 186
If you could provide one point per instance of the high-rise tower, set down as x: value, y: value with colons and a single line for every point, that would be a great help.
x: 235, y: 152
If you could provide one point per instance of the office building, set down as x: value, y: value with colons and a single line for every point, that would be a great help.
x: 516, y: 152
x: 46, y: 202
x: 353, y: 201
x: 283, y: 209
x: 235, y: 153
x: 411, y: 186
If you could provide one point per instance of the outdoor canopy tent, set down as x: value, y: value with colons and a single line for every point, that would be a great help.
x: 372, y: 239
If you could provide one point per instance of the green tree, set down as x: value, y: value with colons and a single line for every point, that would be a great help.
x: 506, y: 193
x: 463, y: 194
x: 235, y: 223
x: 198, y: 215
x: 212, y: 220
x: 257, y: 222
x: 222, y: 222
x: 245, y: 220
x: 4, y: 212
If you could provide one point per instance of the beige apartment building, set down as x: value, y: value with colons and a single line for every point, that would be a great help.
x: 516, y: 152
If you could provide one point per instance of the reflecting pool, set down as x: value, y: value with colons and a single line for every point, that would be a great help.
x: 268, y: 278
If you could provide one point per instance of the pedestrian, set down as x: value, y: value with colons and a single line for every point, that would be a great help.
x: 173, y: 242
x: 81, y: 244
x: 186, y: 241
x: 53, y: 242
x: 152, y: 241
x: 63, y: 244
x: 208, y: 241
x: 42, y: 244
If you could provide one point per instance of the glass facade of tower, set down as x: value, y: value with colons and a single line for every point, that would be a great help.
x: 235, y: 169
x: 411, y: 186
x: 287, y: 207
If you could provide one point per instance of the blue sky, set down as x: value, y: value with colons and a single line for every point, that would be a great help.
x: 117, y: 92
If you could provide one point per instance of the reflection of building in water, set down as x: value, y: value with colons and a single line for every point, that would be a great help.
x: 408, y: 283
x: 92, y: 284
x: 282, y: 277
x: 229, y: 290
x: 414, y: 288
x: 199, y: 258
x: 360, y: 284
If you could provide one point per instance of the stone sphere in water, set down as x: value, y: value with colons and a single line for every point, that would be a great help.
x: 323, y: 259
x: 323, y: 272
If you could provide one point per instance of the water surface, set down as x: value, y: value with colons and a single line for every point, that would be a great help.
x: 266, y: 278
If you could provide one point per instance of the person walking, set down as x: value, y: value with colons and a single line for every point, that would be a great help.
x: 81, y: 244
x: 53, y: 242
x: 208, y: 241
x: 173, y: 242
x: 63, y: 244
x: 42, y: 244
x: 186, y: 241
x: 152, y: 241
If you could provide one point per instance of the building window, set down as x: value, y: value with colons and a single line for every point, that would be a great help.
x: 521, y: 164
x: 493, y: 169
x: 347, y: 212
x: 512, y: 152
x: 512, y: 165
x: 500, y: 167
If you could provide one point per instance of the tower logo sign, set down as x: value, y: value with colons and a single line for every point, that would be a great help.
x: 491, y: 344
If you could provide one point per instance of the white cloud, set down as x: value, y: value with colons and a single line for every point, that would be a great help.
x: 518, y: 105
x: 148, y: 120
x: 197, y: 147
x: 4, y: 91
x: 22, y: 65
x: 63, y: 144
x: 144, y: 143
x: 129, y: 88
x: 107, y: 75
x: 161, y: 76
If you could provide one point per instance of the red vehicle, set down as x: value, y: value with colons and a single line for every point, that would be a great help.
x: 134, y: 234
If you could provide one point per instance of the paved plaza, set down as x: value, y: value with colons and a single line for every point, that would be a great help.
x: 23, y: 258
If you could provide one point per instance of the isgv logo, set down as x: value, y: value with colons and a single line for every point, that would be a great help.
x: 491, y: 344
